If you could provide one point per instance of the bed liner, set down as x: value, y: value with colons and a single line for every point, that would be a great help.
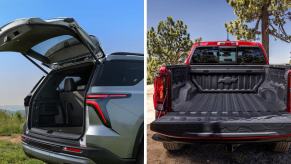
x: 250, y: 103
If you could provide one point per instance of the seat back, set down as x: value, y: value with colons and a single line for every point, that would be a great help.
x: 72, y: 102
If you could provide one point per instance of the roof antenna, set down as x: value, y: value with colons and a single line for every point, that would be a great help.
x: 227, y: 36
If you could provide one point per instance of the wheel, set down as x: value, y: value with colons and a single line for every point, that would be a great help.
x: 173, y: 146
x: 282, y: 147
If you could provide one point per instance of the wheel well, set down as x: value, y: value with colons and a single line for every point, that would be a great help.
x: 138, y: 140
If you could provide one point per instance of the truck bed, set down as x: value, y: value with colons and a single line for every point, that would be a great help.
x: 226, y: 88
x: 218, y: 103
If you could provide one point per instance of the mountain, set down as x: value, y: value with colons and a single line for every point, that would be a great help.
x: 13, y: 109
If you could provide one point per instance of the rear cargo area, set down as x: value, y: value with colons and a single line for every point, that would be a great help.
x: 223, y: 89
x: 58, y: 107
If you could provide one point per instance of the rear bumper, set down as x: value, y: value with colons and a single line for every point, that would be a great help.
x: 54, y: 153
x: 180, y: 128
x: 52, y: 157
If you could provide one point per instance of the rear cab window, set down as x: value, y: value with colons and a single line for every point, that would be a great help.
x: 228, y: 55
x: 120, y: 73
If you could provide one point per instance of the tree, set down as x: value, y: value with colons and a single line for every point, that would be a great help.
x: 165, y: 43
x: 260, y: 17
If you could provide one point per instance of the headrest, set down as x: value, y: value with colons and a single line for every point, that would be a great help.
x: 70, y: 85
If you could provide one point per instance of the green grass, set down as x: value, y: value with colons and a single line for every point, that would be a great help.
x: 10, y: 123
x: 13, y: 153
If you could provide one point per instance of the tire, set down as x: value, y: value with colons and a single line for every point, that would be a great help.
x: 172, y: 147
x: 140, y: 156
x: 281, y: 147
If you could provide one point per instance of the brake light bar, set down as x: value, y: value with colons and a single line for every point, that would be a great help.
x: 227, y: 43
x: 97, y: 108
x: 104, y: 96
x: 220, y: 43
x: 73, y: 150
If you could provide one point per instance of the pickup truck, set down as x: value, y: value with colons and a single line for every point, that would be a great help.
x: 226, y: 92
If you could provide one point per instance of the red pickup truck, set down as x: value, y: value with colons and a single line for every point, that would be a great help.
x: 226, y: 92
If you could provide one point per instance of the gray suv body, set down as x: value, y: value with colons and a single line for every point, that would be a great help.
x: 89, y: 108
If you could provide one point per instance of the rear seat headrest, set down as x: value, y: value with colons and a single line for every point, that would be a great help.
x: 70, y: 85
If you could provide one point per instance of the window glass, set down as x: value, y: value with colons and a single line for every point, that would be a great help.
x: 120, y: 73
x: 250, y: 55
x: 228, y: 55
x: 61, y: 86
x: 205, y: 55
x: 44, y: 46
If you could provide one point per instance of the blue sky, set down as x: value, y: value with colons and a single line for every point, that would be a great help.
x: 118, y: 25
x: 206, y: 19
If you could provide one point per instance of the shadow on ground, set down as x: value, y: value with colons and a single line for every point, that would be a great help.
x: 215, y: 153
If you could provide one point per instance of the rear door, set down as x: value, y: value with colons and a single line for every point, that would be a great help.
x: 51, y: 42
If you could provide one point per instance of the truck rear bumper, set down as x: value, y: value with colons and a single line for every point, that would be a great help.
x: 186, y: 128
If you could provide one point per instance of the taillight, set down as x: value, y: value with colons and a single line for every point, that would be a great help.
x: 289, y: 92
x: 161, y: 92
x: 97, y: 108
x: 73, y: 150
x: 91, y: 100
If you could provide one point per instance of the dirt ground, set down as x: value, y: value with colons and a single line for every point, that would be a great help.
x: 150, y: 105
x: 13, y: 139
x: 214, y: 153
x: 209, y: 153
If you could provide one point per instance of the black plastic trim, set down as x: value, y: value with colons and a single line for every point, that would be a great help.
x: 127, y: 53
x: 222, y: 128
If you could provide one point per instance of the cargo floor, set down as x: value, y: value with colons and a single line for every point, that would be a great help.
x: 227, y: 102
x: 72, y: 130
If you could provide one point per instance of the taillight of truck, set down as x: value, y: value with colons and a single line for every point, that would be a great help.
x: 161, y: 92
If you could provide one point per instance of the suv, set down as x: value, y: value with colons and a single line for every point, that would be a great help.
x: 226, y: 92
x: 89, y: 107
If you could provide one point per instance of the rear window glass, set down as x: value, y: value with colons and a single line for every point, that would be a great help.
x: 44, y: 46
x: 247, y: 55
x: 120, y: 73
x: 228, y: 55
x: 61, y: 86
